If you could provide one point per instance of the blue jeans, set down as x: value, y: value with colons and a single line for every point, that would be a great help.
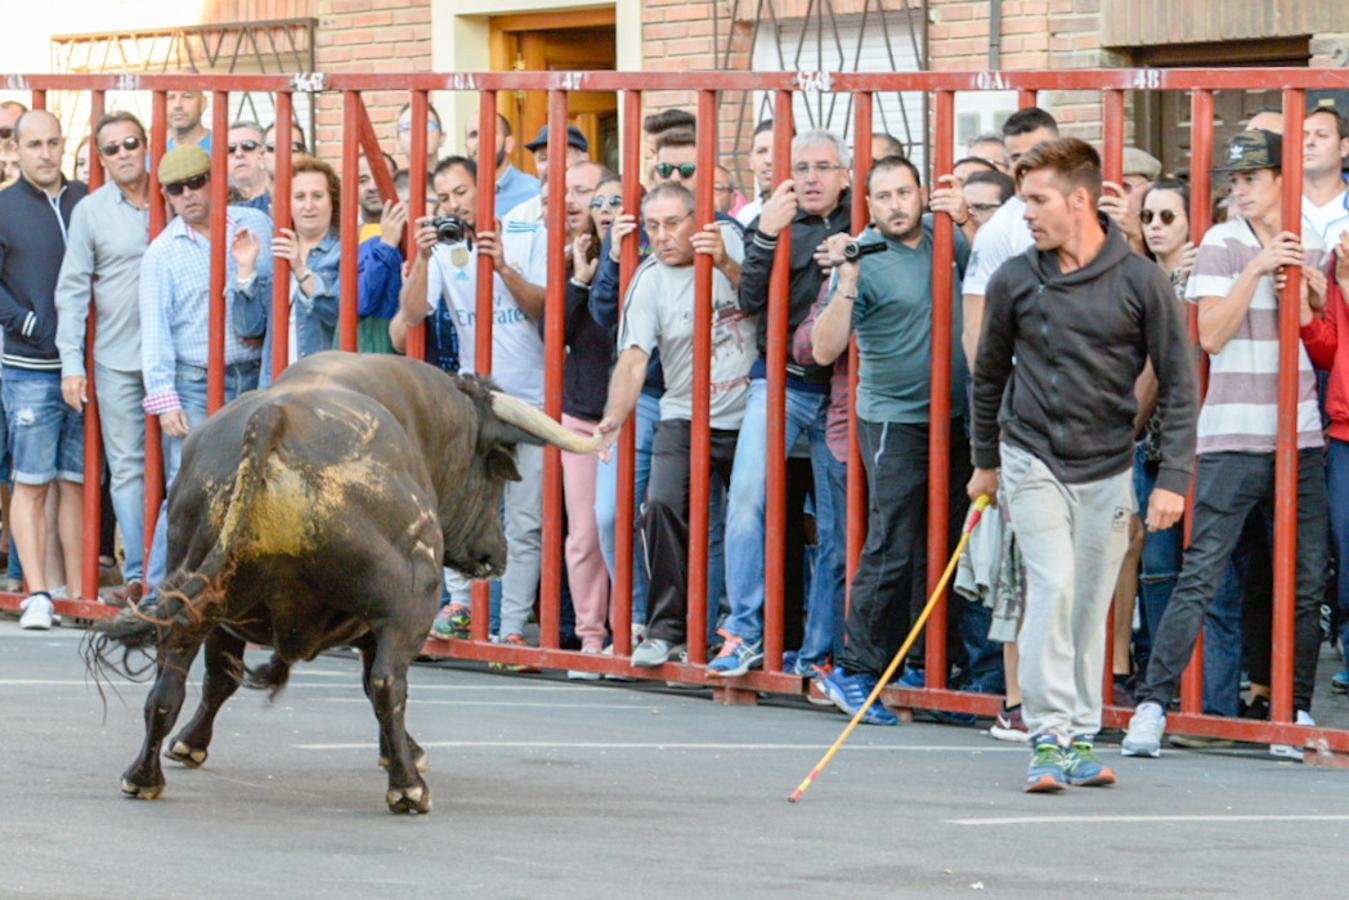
x: 748, y: 500
x: 1160, y: 564
x: 1338, y: 483
x: 46, y: 437
x: 190, y: 383
x: 606, y: 501
x: 824, y: 623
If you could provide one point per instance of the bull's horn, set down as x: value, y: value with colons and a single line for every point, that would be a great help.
x: 514, y: 411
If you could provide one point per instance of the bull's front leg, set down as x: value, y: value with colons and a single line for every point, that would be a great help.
x: 388, y: 690
x: 145, y: 778
x: 368, y: 648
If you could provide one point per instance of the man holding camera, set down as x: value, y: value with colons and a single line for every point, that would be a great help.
x: 445, y: 275
x: 887, y: 299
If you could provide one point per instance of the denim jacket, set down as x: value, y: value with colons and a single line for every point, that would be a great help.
x: 315, y: 315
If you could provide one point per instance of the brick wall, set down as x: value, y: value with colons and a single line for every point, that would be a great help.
x: 369, y: 36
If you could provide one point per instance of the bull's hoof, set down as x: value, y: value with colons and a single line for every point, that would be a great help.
x: 421, y: 761
x: 415, y: 799
x: 141, y: 791
x: 184, y: 754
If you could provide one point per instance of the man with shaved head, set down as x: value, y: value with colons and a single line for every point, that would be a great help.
x: 48, y: 435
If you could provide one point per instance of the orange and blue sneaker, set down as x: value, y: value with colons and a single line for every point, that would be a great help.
x: 514, y: 640
x: 451, y: 622
x: 1048, y: 763
x: 737, y: 657
x: 1083, y: 768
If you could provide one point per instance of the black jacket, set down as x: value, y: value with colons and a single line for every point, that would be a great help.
x: 32, y: 246
x: 590, y: 347
x: 1080, y: 341
x: 808, y: 232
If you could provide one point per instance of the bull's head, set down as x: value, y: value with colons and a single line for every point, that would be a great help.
x: 505, y: 421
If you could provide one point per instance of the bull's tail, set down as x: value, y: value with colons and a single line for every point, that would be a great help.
x: 182, y: 596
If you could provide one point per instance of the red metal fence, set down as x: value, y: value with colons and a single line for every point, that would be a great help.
x: 359, y: 137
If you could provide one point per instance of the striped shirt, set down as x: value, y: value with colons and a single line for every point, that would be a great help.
x: 1240, y: 411
x: 175, y: 288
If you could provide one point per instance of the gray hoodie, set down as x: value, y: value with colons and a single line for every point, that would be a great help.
x: 1080, y: 341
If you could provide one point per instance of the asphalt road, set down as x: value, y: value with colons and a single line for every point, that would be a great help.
x: 549, y: 788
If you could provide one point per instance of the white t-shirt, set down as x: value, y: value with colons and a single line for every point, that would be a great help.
x: 1240, y: 411
x: 1003, y: 236
x: 749, y: 212
x: 658, y: 313
x: 517, y: 347
x: 1328, y: 221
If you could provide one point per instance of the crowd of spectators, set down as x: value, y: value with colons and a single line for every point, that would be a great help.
x: 630, y: 356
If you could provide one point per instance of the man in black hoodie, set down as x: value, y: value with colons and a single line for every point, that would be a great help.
x: 1082, y: 315
x: 814, y: 202
x: 47, y: 436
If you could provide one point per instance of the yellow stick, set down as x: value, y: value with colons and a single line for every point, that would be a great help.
x: 979, y: 506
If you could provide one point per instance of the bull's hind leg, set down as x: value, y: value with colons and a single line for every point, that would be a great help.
x: 367, y: 647
x: 224, y: 670
x: 145, y: 778
x: 388, y: 692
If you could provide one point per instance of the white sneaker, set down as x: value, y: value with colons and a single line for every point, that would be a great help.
x: 37, y: 612
x: 1288, y: 751
x: 1146, y: 727
x: 584, y: 674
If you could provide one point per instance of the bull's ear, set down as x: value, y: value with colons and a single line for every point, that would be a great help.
x: 501, y: 464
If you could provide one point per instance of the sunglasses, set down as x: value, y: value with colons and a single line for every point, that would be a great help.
x: 249, y: 147
x: 6, y: 132
x: 686, y: 170
x: 1167, y: 216
x: 296, y: 147
x: 430, y: 125
x: 195, y: 183
x: 599, y: 202
x: 130, y: 144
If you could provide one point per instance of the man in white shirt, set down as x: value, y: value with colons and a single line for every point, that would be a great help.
x: 1325, y: 144
x: 1006, y: 234
x: 448, y: 273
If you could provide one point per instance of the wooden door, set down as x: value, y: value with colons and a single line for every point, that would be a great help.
x: 583, y: 40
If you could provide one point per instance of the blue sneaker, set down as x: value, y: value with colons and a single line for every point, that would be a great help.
x: 849, y: 692
x: 1339, y: 682
x: 736, y: 657
x: 790, y: 661
x: 1083, y: 767
x: 1046, y: 774
x: 913, y: 678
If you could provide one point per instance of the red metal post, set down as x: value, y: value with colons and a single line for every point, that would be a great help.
x: 1112, y: 109
x: 374, y: 157
x: 700, y: 440
x: 215, y: 377
x: 550, y: 586
x: 347, y: 317
x: 93, y: 444
x: 857, y: 476
x: 416, y: 341
x: 1286, y: 455
x: 939, y: 418
x: 485, y: 216
x: 627, y: 441
x: 1201, y: 211
x: 154, y: 447
x: 39, y: 99
x: 779, y: 308
x: 1025, y: 99
x: 281, y: 194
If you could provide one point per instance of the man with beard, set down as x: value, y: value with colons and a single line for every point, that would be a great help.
x: 888, y: 301
x: 513, y: 186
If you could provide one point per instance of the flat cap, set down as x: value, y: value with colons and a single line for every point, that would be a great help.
x: 182, y: 163
x: 1141, y: 162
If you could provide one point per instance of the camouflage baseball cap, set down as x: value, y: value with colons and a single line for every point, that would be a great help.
x: 1252, y: 150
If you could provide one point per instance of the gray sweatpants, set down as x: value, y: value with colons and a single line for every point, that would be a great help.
x: 1073, y: 538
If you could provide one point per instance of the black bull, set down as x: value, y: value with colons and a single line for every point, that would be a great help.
x: 319, y: 513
